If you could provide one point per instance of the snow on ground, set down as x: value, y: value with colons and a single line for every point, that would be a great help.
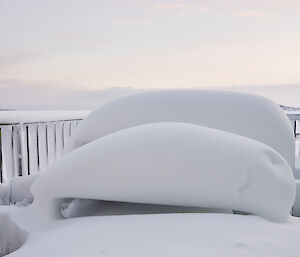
x: 165, y: 235
x: 127, y: 234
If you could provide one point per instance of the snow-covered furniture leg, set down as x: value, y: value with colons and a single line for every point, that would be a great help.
x: 296, y: 207
x: 17, y: 190
x: 5, y: 192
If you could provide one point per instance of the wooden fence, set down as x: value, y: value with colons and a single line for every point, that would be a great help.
x: 28, y: 148
x: 295, y: 120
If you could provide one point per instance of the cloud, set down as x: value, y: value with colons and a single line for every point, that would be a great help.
x: 27, y: 95
x: 286, y: 94
x: 180, y: 7
x: 253, y: 14
x: 189, y: 10
x: 131, y: 22
x: 81, y: 39
x: 9, y: 57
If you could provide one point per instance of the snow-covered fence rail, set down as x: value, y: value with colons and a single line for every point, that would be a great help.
x: 295, y: 120
x: 31, y: 141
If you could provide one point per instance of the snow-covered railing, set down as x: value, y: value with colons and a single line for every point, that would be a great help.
x: 32, y: 140
x: 295, y: 120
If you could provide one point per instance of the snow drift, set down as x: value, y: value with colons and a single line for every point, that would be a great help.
x: 173, y: 164
x: 171, y: 148
x: 248, y: 115
x: 166, y: 235
x: 11, y: 236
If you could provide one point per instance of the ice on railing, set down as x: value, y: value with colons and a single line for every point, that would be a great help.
x: 13, y: 117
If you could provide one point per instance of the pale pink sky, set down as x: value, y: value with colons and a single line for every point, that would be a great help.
x: 97, y: 44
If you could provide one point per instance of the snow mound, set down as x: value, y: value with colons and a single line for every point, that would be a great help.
x: 11, y: 236
x: 20, y: 189
x: 248, y: 115
x: 17, y: 190
x: 5, y: 192
x: 173, y: 164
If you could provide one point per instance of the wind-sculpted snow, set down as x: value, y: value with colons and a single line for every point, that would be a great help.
x: 11, y: 236
x: 248, y: 115
x: 173, y: 164
x: 166, y: 235
x: 172, y: 151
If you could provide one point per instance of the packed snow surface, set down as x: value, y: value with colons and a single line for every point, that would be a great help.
x: 165, y: 235
x: 248, y: 115
x: 176, y: 164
